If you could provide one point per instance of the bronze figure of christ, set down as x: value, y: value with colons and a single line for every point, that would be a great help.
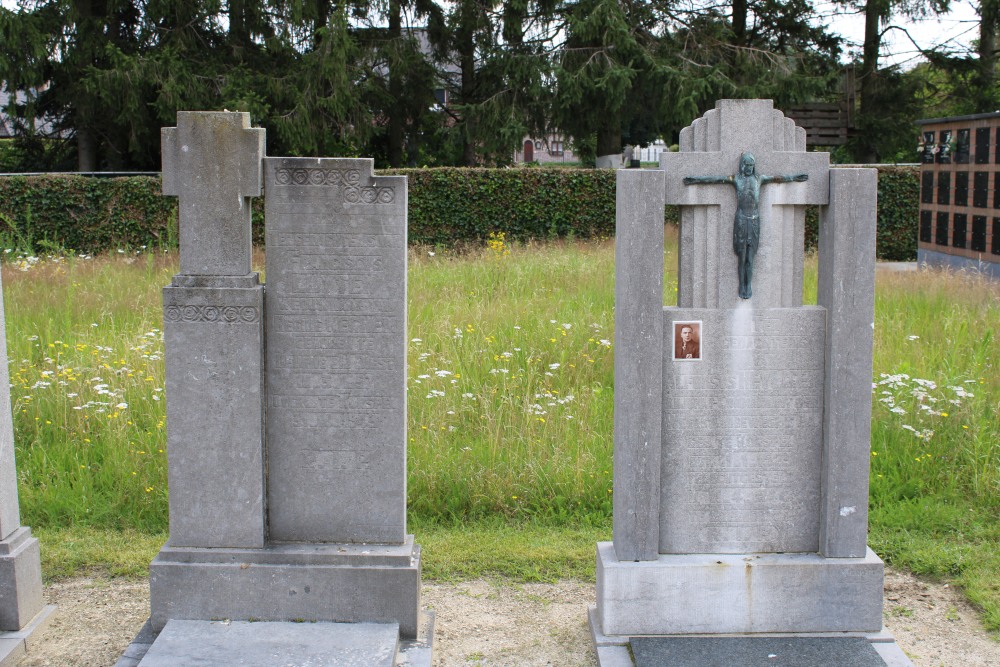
x: 746, y: 226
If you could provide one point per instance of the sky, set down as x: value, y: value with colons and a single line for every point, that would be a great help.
x: 955, y: 30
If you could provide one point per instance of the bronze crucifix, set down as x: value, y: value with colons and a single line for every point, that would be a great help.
x: 746, y: 226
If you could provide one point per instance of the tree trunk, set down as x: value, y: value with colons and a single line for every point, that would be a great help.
x: 984, y: 81
x: 86, y: 150
x: 740, y: 22
x: 875, y: 12
x: 397, y: 110
x: 467, y: 61
x: 609, y: 137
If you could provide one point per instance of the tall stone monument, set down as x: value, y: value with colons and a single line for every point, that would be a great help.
x: 22, y: 608
x: 286, y: 407
x: 742, y: 417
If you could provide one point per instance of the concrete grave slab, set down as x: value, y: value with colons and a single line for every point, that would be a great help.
x: 245, y: 644
x: 754, y: 652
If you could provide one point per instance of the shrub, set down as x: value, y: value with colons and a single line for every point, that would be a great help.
x: 447, y: 206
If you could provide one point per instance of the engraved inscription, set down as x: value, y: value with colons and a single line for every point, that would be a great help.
x: 742, y: 435
x: 203, y: 313
x: 336, y: 351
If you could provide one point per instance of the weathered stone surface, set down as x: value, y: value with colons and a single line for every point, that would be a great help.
x: 214, y: 337
x: 9, y: 513
x: 754, y: 652
x: 725, y: 593
x: 847, y: 290
x: 20, y: 580
x: 211, y: 160
x: 336, y: 350
x: 742, y: 432
x: 638, y: 369
x: 760, y: 480
x: 348, y: 583
x: 214, y: 643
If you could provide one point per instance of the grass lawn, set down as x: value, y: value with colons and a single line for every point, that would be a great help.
x: 510, y: 413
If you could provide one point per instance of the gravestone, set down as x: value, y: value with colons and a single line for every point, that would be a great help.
x: 22, y: 609
x: 741, y: 470
x: 286, y: 408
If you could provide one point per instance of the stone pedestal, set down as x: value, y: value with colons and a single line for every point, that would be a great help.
x: 286, y: 404
x: 741, y: 421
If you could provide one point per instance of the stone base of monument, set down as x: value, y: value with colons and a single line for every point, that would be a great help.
x: 829, y: 649
x: 705, y: 597
x: 14, y: 645
x: 264, y: 644
x: 23, y: 613
x: 349, y: 583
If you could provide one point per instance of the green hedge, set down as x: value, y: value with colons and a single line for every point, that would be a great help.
x: 446, y: 206
x: 898, y: 214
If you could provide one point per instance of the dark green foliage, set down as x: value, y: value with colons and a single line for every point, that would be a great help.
x: 898, y: 215
x: 450, y: 205
x: 447, y: 206
x: 86, y: 215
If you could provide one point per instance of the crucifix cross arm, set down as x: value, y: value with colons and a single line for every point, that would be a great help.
x: 708, y: 180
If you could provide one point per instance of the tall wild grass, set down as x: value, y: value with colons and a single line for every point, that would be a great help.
x: 510, y: 385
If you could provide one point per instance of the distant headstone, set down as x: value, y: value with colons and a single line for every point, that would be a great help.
x: 742, y: 420
x: 22, y: 608
x: 286, y: 404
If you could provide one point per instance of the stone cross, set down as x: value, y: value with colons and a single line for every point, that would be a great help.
x: 708, y: 273
x: 212, y: 162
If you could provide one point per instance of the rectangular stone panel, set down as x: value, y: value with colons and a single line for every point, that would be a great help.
x: 979, y: 233
x: 738, y: 593
x: 944, y: 188
x: 742, y: 432
x: 962, y: 188
x: 981, y: 189
x: 959, y: 230
x: 266, y: 644
x: 941, y: 231
x: 336, y: 351
x: 926, y: 218
x: 927, y: 187
x: 962, y: 147
x: 983, y: 145
x: 214, y: 342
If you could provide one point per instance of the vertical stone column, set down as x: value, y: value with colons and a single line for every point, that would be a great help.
x: 20, y: 566
x: 214, y: 335
x: 847, y: 290
x: 638, y: 363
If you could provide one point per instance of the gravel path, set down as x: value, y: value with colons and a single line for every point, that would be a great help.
x: 482, y: 623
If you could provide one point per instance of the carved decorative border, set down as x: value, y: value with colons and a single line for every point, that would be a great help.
x: 354, y: 193
x: 225, y: 314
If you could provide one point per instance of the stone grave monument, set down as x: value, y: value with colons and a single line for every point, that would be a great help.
x: 22, y: 609
x: 286, y: 413
x: 742, y: 417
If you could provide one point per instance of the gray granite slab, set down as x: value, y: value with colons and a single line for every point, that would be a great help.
x: 742, y: 432
x: 754, y: 652
x: 336, y: 351
x: 328, y: 582
x: 729, y: 593
x: 638, y: 381
x: 214, y: 338
x: 9, y: 512
x: 846, y: 288
x: 245, y: 644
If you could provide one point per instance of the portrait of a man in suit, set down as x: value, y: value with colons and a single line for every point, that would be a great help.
x: 687, y: 341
